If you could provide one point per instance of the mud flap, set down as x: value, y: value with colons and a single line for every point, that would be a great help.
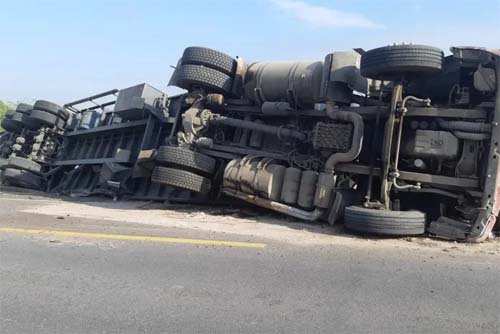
x: 450, y: 229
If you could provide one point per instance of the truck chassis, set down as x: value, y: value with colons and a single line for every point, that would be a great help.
x: 396, y: 141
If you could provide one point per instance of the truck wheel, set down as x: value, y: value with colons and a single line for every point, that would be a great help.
x: 24, y: 108
x: 22, y: 178
x: 13, y: 123
x: 209, y: 58
x: 9, y: 113
x: 179, y: 157
x: 44, y: 118
x: 11, y: 126
x: 30, y: 123
x: 181, y: 179
x: 24, y: 164
x: 384, y: 222
x: 51, y: 108
x: 212, y: 81
x: 391, y: 62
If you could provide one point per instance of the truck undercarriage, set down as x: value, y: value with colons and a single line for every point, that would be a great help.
x: 396, y: 141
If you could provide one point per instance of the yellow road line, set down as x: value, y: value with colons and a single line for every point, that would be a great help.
x: 134, y: 238
x: 29, y: 200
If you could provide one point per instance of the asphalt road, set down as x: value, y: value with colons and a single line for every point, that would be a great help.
x: 76, y: 275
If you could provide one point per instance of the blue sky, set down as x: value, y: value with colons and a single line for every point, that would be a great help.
x: 65, y: 50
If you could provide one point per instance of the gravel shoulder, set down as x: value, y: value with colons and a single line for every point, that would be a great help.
x: 239, y: 221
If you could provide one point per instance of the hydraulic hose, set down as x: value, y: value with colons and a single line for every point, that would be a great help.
x: 464, y: 126
x: 357, y: 136
x: 471, y: 136
x: 274, y: 130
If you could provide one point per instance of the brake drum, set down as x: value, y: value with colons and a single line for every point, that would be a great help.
x: 246, y: 176
x: 230, y: 174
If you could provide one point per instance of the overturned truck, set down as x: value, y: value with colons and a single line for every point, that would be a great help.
x: 399, y: 140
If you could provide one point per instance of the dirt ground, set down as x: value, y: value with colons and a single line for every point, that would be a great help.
x: 244, y: 221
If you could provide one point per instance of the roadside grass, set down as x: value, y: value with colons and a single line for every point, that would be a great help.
x: 3, y: 108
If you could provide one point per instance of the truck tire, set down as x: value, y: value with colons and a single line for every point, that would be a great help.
x: 391, y: 62
x: 44, y: 118
x: 22, y: 178
x: 11, y: 126
x: 209, y: 58
x: 212, y: 81
x: 14, y: 123
x: 29, y: 123
x: 24, y: 164
x: 24, y: 108
x: 17, y: 117
x: 51, y: 108
x: 384, y: 222
x: 181, y: 179
x: 9, y: 113
x: 179, y: 157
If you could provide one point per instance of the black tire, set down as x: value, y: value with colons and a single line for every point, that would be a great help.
x: 22, y: 178
x: 9, y: 113
x: 14, y: 123
x: 384, y: 222
x: 179, y: 157
x: 212, y: 81
x: 181, y: 179
x: 45, y: 118
x: 31, y: 124
x: 392, y: 62
x: 11, y: 126
x: 17, y: 117
x: 24, y: 164
x: 51, y: 108
x: 214, y: 59
x: 24, y: 108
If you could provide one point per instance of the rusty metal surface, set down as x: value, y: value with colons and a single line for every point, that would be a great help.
x: 490, y: 202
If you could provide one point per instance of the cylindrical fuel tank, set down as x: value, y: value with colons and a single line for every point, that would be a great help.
x: 230, y: 174
x: 284, y: 81
x: 85, y: 120
x: 246, y: 176
x: 282, y: 109
x: 291, y: 184
x: 324, y: 190
x: 307, y: 189
x: 269, y: 181
x: 89, y: 120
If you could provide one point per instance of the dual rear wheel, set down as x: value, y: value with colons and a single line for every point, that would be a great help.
x: 185, y: 169
x: 22, y: 172
x: 207, y: 69
x: 42, y: 113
